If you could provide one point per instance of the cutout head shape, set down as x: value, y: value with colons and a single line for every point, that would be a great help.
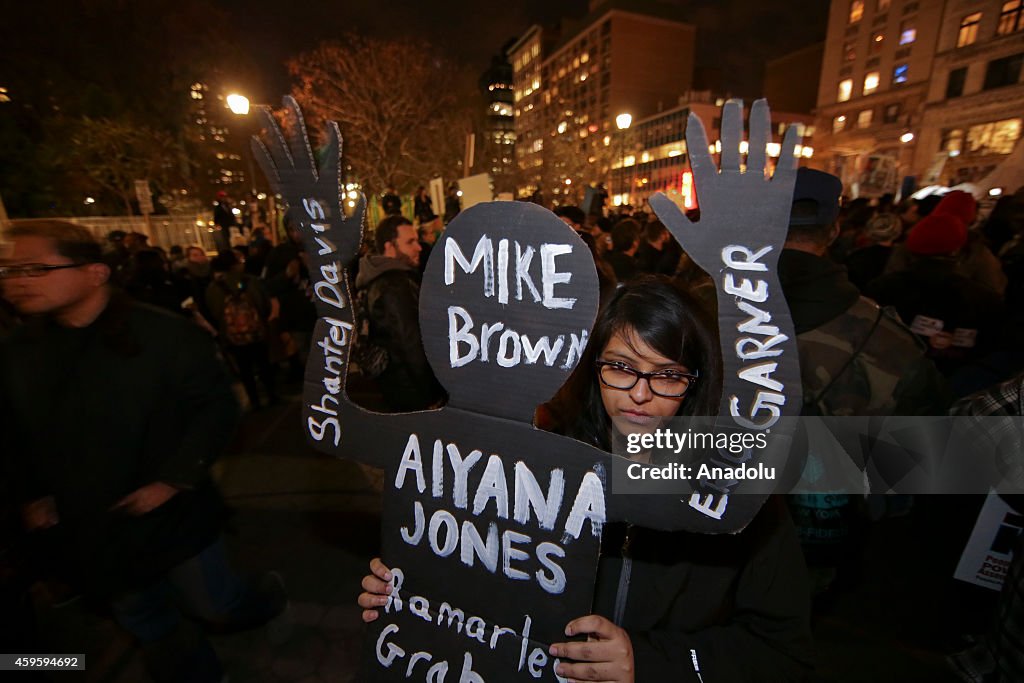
x: 508, y: 299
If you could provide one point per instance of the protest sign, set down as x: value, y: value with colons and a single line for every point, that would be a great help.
x: 487, y: 518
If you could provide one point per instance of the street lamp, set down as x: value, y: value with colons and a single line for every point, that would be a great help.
x: 238, y: 104
x: 623, y: 121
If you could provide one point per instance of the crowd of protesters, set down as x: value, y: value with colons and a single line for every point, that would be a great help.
x: 900, y: 309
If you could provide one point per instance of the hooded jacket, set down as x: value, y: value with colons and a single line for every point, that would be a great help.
x: 392, y: 289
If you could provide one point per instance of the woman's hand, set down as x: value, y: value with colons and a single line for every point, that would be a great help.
x: 607, y: 654
x: 376, y: 589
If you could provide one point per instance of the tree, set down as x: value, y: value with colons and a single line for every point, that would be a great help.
x: 109, y: 155
x: 403, y: 110
x: 581, y: 160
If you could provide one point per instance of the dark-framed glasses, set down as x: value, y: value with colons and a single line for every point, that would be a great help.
x: 33, y: 269
x: 664, y: 383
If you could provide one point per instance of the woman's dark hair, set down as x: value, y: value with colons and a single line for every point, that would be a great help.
x: 668, y: 320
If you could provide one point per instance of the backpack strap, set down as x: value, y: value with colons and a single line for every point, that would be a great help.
x: 849, y: 361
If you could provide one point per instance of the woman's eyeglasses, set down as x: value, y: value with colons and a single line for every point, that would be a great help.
x: 33, y: 269
x: 664, y: 383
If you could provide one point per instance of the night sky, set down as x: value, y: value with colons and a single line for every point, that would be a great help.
x: 735, y: 36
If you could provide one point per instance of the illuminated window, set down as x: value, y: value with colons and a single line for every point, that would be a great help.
x: 1010, y: 18
x: 871, y: 83
x: 968, y: 29
x: 864, y: 118
x: 900, y: 74
x: 845, y: 90
x: 535, y: 50
x: 849, y: 51
x: 838, y: 124
x: 952, y: 141
x: 908, y: 33
x: 883, y: 6
x: 997, y: 137
x: 877, y: 41
x: 856, y: 11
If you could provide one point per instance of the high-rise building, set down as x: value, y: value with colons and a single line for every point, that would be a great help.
x: 571, y: 84
x: 499, y: 134
x: 971, y: 119
x: 218, y: 162
x: 874, y: 79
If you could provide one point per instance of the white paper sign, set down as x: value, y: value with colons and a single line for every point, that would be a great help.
x: 986, y: 558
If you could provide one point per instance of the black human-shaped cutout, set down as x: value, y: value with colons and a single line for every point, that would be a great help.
x: 476, y: 498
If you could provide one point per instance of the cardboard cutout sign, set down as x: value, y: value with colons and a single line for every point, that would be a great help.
x: 743, y: 224
x: 492, y: 527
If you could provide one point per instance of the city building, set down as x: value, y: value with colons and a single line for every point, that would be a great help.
x: 971, y: 119
x: 875, y: 77
x: 499, y: 134
x: 219, y: 164
x: 654, y: 156
x: 570, y: 85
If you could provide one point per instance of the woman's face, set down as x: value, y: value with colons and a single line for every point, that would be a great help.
x: 637, y: 406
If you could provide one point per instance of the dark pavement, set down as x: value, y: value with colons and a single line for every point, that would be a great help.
x: 315, y: 520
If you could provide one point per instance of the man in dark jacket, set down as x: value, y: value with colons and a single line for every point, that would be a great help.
x: 658, y: 253
x: 855, y: 359
x: 391, y: 280
x: 116, y: 411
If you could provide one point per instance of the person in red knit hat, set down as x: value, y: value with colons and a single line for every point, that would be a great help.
x: 942, y: 234
x: 956, y: 317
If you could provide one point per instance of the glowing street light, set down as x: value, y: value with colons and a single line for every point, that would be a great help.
x: 238, y: 104
x: 906, y: 137
x: 623, y: 121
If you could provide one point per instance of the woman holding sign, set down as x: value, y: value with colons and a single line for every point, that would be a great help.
x: 669, y: 605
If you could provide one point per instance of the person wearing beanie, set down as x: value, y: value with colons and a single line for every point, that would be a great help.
x: 938, y: 234
x: 855, y: 359
x: 976, y: 260
x: 958, y: 318
x: 960, y: 204
x: 865, y: 264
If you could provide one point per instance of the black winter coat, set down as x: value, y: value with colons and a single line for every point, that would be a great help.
x: 95, y: 413
x: 734, y: 607
x: 392, y: 300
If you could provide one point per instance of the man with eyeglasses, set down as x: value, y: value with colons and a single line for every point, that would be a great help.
x: 113, y: 414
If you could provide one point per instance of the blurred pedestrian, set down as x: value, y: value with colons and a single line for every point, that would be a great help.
x: 116, y: 412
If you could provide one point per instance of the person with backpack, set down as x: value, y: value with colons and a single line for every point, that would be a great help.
x: 241, y: 310
x: 388, y: 287
x: 855, y: 359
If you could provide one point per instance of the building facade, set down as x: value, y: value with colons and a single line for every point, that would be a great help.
x: 570, y: 86
x: 655, y: 157
x: 499, y: 133
x: 875, y: 78
x: 971, y: 119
